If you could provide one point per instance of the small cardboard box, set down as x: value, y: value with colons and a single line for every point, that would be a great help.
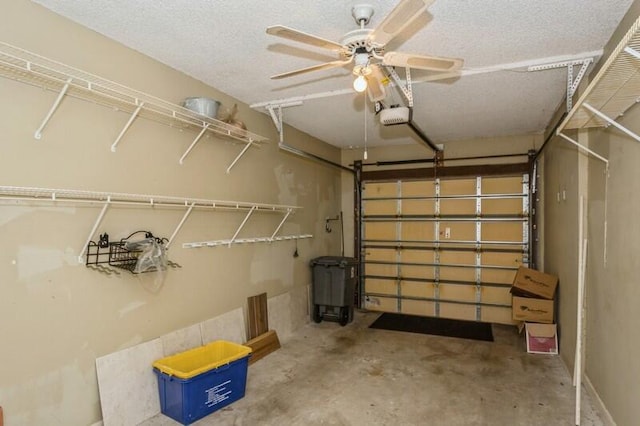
x: 542, y: 339
x: 532, y: 310
x: 532, y: 283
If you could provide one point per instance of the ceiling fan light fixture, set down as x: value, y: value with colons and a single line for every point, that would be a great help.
x: 360, y: 84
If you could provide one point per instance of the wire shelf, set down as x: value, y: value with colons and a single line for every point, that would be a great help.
x: 27, y: 67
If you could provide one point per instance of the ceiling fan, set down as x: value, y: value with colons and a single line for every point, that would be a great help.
x: 366, y: 48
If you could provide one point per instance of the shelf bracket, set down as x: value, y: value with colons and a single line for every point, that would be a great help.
x: 184, y: 218
x: 126, y: 127
x: 195, y: 141
x: 54, y: 107
x: 611, y: 121
x: 246, y: 218
x: 284, y: 219
x: 406, y: 89
x: 572, y: 82
x: 233, y: 163
x: 93, y: 230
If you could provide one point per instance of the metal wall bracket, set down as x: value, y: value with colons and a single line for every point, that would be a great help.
x: 572, y: 81
x: 126, y: 126
x: 54, y: 107
x: 611, y: 121
x: 94, y: 229
x: 405, y: 87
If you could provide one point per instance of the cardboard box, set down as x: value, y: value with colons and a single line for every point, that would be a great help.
x: 530, y: 309
x: 532, y: 283
x: 542, y: 339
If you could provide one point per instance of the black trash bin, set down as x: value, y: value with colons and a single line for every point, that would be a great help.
x: 333, y: 288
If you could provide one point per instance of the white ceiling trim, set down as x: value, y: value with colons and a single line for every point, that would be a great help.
x: 511, y: 66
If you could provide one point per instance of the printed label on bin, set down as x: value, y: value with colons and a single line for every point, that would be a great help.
x: 217, y: 394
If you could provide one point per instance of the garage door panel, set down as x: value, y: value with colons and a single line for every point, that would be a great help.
x: 380, y: 231
x: 418, y: 307
x: 458, y: 292
x: 513, y: 260
x: 458, y: 311
x: 417, y: 231
x: 418, y: 188
x: 380, y: 207
x: 502, y: 185
x: 387, y: 255
x: 417, y: 207
x: 380, y: 189
x: 383, y: 270
x: 458, y: 230
x: 458, y: 187
x: 415, y: 271
x: 382, y: 286
x: 502, y: 231
x: 497, y: 315
x: 496, y: 295
x: 417, y: 289
x: 457, y: 274
x: 457, y: 207
x: 498, y: 276
x: 506, y: 207
x: 417, y: 256
x: 382, y: 304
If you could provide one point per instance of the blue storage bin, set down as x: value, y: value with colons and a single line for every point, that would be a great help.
x: 189, y: 399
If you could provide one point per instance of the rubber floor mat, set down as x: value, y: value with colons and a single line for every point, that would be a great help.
x: 437, y: 326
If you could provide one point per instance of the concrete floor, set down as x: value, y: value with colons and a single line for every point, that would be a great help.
x: 353, y: 375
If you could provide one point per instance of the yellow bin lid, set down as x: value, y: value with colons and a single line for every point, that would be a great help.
x: 193, y: 362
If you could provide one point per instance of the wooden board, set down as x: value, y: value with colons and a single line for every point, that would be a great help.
x: 258, y: 316
x: 263, y: 345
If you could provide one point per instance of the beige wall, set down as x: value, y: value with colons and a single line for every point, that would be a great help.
x: 56, y: 316
x: 612, y: 367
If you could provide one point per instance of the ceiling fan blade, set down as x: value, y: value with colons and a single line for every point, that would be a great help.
x: 375, y: 84
x: 302, y: 37
x: 399, y: 18
x: 431, y: 63
x: 318, y: 67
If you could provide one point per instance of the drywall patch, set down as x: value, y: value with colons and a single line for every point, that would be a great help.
x: 127, y: 384
x: 229, y: 327
x: 33, y: 261
x: 269, y: 264
x: 286, y: 185
x: 9, y: 213
x: 130, y: 307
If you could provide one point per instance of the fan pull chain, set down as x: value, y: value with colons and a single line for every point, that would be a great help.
x: 364, y: 99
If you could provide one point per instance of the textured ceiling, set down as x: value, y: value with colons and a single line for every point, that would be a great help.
x: 224, y: 44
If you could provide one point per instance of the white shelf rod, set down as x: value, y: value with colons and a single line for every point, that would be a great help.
x: 184, y: 218
x: 584, y: 148
x: 611, y: 121
x: 54, y: 107
x: 126, y: 127
x: 195, y: 141
x: 216, y: 243
x: 284, y: 219
x: 93, y: 230
x: 233, y: 163
x: 246, y: 218
x: 19, y: 193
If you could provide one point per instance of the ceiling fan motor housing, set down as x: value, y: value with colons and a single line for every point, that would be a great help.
x: 362, y: 12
